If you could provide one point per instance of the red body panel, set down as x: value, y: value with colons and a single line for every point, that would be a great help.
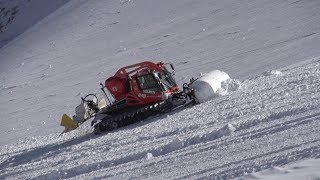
x: 117, y: 87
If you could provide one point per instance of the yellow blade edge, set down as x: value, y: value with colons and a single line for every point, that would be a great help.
x: 68, y: 123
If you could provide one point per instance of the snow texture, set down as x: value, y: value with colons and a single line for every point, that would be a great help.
x: 306, y: 169
x: 16, y: 16
x: 265, y: 120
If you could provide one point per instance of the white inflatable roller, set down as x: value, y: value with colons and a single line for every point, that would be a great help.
x: 206, y: 87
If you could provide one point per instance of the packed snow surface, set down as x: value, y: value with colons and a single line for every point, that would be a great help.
x: 272, y: 120
x: 265, y: 117
x: 302, y: 170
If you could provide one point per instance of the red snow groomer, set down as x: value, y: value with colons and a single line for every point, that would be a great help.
x: 142, y: 84
x: 134, y: 93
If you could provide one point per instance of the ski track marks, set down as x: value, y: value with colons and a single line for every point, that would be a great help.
x: 216, y: 140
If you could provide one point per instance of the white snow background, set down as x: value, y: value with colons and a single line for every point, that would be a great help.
x: 18, y: 15
x: 266, y: 124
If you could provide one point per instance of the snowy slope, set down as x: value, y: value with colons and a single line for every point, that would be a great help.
x: 305, y: 169
x: 75, y: 48
x: 16, y: 16
x: 46, y: 70
x: 271, y: 120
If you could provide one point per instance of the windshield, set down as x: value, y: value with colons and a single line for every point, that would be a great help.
x: 166, y: 79
x: 148, y: 83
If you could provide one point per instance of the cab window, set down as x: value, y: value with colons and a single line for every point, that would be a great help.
x: 167, y: 80
x: 148, y: 83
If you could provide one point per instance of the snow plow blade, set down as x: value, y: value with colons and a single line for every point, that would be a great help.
x: 68, y: 123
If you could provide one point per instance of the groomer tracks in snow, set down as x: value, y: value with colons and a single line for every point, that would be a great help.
x: 267, y: 121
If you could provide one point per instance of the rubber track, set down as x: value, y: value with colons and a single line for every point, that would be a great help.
x: 123, y: 119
